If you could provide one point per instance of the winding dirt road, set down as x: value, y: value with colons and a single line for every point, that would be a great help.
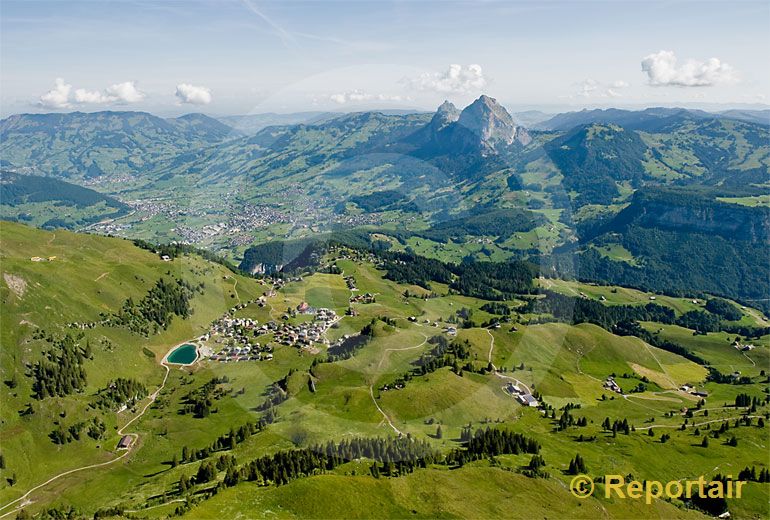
x: 371, y: 387
x: 24, y: 499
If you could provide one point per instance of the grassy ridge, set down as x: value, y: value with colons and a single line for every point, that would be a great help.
x: 100, y: 274
x: 563, y: 363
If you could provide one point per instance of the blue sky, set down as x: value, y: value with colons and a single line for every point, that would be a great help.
x: 246, y: 56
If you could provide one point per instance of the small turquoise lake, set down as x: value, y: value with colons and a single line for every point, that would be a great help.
x: 183, y: 354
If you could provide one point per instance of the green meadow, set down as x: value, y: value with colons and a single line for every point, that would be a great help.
x: 322, y: 401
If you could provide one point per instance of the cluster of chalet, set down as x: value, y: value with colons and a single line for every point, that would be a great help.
x: 82, y: 326
x: 351, y: 283
x: 305, y: 334
x: 344, y: 253
x: 363, y: 298
x: 694, y: 391
x: 521, y: 395
x: 450, y: 329
x: 743, y: 347
x: 612, y: 385
x: 235, y: 337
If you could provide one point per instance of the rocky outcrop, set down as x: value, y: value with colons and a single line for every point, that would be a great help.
x: 671, y: 209
x: 446, y: 114
x: 488, y: 121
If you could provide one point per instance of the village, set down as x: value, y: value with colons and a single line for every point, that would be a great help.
x: 201, y: 222
x: 232, y: 339
x: 305, y: 333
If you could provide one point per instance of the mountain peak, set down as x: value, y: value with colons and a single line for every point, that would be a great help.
x: 447, y: 107
x: 446, y: 114
x: 487, y: 100
x: 489, y: 120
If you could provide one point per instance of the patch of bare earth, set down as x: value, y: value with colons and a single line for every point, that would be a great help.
x: 16, y: 284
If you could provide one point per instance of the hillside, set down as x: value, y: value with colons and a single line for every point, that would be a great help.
x: 679, y: 241
x: 695, y: 211
x: 54, y: 280
x: 638, y: 118
x: 84, y: 146
x: 595, y: 159
x: 382, y: 358
x: 49, y: 202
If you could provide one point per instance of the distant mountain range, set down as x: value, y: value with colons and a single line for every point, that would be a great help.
x: 251, y: 124
x: 473, y: 183
x: 533, y: 119
x: 595, y: 156
x: 84, y: 145
x: 638, y: 118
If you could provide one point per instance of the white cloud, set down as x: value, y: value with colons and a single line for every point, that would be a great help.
x: 590, y: 88
x: 62, y: 95
x: 192, y: 94
x: 124, y: 93
x: 587, y: 87
x: 357, y: 96
x: 89, y: 96
x: 663, y: 69
x: 119, y: 94
x: 58, y: 97
x: 457, y: 79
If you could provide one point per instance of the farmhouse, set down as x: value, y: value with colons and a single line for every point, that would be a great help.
x: 513, y: 388
x: 125, y: 442
x: 612, y: 385
x: 527, y: 400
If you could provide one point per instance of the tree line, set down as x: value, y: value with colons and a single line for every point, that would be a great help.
x: 391, y: 457
x: 120, y: 392
x: 60, y: 372
x: 175, y: 250
x: 443, y: 354
x: 156, y: 309
x: 485, y: 280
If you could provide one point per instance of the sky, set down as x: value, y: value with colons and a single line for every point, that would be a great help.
x: 246, y: 56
